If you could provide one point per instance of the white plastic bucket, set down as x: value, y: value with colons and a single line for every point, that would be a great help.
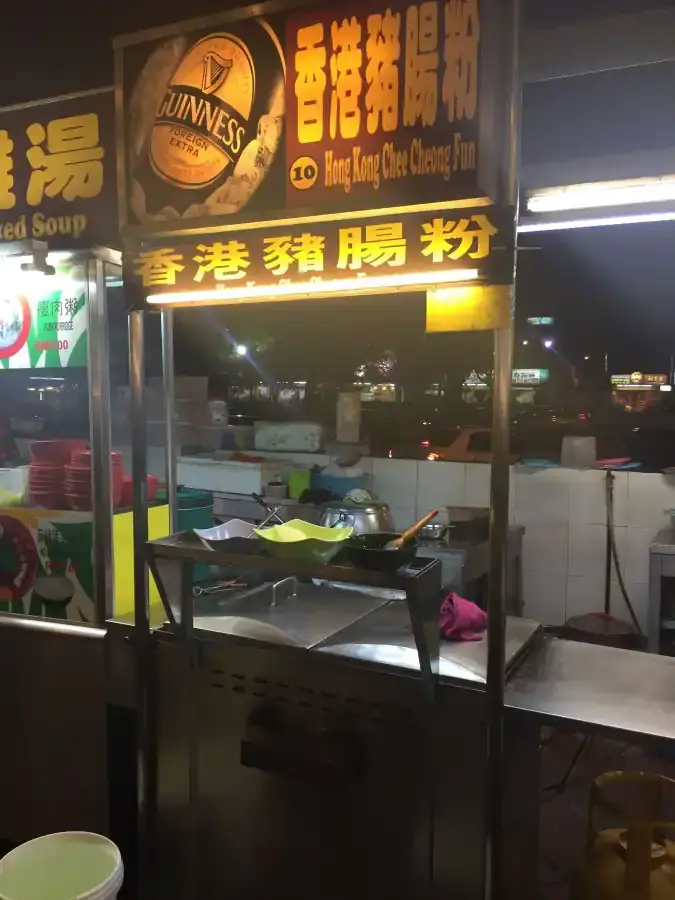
x: 71, y: 865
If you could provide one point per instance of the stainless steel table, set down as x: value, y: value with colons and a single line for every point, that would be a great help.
x: 596, y: 688
x: 385, y: 638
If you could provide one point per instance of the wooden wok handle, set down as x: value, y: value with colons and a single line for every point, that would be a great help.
x: 415, y: 529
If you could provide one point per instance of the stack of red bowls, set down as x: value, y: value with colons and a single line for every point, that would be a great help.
x: 45, y: 473
x: 78, y: 480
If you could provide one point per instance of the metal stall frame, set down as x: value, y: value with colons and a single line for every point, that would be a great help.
x: 169, y: 385
x: 98, y: 370
x: 500, y: 475
x: 504, y: 130
x: 146, y: 748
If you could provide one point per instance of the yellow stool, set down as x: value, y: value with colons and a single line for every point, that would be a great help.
x: 633, y: 862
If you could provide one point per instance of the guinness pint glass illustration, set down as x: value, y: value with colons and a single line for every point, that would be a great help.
x: 205, y: 122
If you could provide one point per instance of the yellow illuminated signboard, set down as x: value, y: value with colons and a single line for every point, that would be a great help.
x: 382, y: 102
x: 638, y: 380
x: 57, y: 172
x: 349, y: 256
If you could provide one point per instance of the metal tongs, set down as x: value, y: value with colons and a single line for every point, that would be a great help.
x: 271, y: 513
x: 218, y: 586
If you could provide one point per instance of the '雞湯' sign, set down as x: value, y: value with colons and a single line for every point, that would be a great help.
x: 57, y: 172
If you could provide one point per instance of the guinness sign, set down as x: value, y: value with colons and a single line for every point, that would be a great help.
x: 201, y: 121
x: 208, y: 128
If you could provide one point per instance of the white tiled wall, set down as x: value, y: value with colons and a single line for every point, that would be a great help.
x: 564, y: 514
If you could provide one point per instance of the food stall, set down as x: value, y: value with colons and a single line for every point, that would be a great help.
x: 66, y: 537
x: 63, y: 517
x: 318, y: 736
x: 311, y: 730
x: 289, y: 156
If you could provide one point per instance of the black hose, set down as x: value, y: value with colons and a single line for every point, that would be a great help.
x: 609, y: 495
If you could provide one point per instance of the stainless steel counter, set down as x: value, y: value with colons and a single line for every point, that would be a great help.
x: 385, y: 638
x: 256, y: 741
x: 348, y: 624
x: 664, y: 542
x: 597, y: 688
x: 287, y: 612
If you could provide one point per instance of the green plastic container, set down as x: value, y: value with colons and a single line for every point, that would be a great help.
x: 72, y: 865
x: 195, y: 510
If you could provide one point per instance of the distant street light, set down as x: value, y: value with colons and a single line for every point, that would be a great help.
x: 525, y: 343
x: 241, y: 349
x: 586, y: 358
x: 548, y: 343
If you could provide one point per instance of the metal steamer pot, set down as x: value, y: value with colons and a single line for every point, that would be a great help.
x: 367, y: 518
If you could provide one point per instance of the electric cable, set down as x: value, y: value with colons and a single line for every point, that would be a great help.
x: 609, y: 497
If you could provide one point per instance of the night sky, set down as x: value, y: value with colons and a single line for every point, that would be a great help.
x: 611, y: 290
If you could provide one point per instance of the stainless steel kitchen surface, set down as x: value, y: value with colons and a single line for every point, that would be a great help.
x: 385, y: 638
x: 298, y: 748
x: 359, y: 626
x: 596, y: 688
x: 288, y: 768
x: 306, y: 755
x: 287, y: 612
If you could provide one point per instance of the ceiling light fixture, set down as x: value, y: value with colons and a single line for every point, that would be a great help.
x: 595, y: 195
x: 526, y: 227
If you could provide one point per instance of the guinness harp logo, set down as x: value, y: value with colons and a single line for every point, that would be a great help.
x: 216, y: 70
x: 201, y: 123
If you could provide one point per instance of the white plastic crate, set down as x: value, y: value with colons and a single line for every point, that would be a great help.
x: 226, y: 476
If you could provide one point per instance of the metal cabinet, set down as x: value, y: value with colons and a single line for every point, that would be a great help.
x: 294, y: 775
x: 53, y: 749
x: 299, y: 782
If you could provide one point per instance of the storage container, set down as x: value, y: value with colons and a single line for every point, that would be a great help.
x: 288, y: 437
x: 228, y: 477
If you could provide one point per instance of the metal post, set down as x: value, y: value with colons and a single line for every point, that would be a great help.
x: 142, y: 638
x: 98, y: 367
x: 609, y: 499
x: 500, y: 473
x: 169, y: 384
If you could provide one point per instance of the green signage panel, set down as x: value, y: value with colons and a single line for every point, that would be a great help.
x: 43, y: 318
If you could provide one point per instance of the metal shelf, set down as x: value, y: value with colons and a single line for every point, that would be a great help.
x: 171, y: 560
x: 185, y: 546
